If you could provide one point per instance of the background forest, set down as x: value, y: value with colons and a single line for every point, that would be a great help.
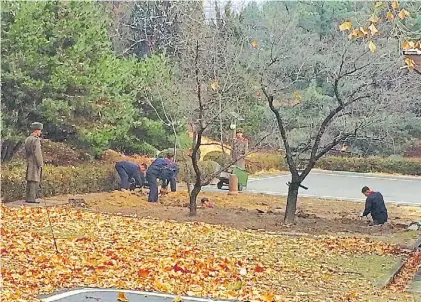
x: 119, y: 75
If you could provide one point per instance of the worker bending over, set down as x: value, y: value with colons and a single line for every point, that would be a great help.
x: 171, y: 178
x: 128, y: 170
x: 164, y: 169
x: 374, y: 204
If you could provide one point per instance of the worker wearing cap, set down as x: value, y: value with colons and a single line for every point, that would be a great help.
x: 34, y: 162
x: 162, y: 169
x: 239, y: 149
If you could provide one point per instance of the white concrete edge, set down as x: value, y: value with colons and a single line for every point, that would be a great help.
x: 91, y: 290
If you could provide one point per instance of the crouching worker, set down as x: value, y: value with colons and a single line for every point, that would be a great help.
x: 163, y: 169
x: 375, y: 206
x: 128, y: 170
x: 132, y: 181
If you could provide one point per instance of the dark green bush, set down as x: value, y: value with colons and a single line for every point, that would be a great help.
x: 60, y: 180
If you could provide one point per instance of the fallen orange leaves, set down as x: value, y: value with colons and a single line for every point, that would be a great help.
x: 180, y: 258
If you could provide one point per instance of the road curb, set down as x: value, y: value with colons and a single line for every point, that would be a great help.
x: 397, y: 268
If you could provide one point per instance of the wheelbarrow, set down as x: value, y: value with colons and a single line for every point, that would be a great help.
x: 225, y: 176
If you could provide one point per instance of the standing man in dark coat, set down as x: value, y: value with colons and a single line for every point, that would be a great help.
x: 128, y: 170
x: 375, y: 205
x: 34, y: 162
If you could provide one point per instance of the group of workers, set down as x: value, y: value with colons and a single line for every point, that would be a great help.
x: 134, y: 175
x: 164, y: 169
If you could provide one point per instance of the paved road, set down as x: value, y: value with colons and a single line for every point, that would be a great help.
x: 344, y: 185
x: 98, y: 294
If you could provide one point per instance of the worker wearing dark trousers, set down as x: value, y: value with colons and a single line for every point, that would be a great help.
x: 128, y: 170
x: 172, y: 174
x: 152, y: 175
x: 375, y: 206
x: 161, y: 169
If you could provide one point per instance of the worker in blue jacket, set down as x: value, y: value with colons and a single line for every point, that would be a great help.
x: 173, y: 167
x: 161, y: 169
x: 375, y: 206
x: 128, y: 170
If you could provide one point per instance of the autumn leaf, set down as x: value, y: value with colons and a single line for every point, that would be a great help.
x: 177, y: 299
x: 350, y: 296
x: 403, y: 14
x: 122, y: 297
x: 390, y: 16
x: 143, y: 273
x: 378, y: 4
x: 410, y: 63
x: 407, y: 45
x: 364, y: 31
x: 254, y: 43
x: 259, y: 269
x: 235, y: 286
x: 297, y: 95
x: 268, y: 297
x: 373, y: 29
x: 215, y: 85
x: 372, y: 46
x: 395, y: 4
x: 347, y: 25
x: 374, y: 19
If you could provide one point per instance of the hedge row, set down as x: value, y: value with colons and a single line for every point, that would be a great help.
x: 267, y: 161
x: 255, y: 162
x: 60, y: 180
x: 406, y: 166
x: 96, y: 177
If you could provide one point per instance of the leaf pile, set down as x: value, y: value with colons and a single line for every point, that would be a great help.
x: 409, y: 269
x: 100, y: 250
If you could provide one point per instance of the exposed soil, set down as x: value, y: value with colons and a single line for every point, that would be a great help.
x: 258, y: 212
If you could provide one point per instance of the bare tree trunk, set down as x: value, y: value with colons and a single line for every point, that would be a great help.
x: 291, y: 202
x: 193, y: 199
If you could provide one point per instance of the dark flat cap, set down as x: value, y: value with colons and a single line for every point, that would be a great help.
x: 37, y: 126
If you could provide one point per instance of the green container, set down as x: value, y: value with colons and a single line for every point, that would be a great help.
x: 242, y: 177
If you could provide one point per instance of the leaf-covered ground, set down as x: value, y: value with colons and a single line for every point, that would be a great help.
x: 314, y: 216
x: 193, y: 258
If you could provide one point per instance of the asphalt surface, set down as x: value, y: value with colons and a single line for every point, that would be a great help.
x: 111, y: 295
x: 343, y: 185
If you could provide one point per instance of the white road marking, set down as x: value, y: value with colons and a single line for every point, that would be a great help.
x: 91, y: 290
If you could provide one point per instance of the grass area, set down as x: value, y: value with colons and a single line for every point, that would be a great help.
x: 371, y: 267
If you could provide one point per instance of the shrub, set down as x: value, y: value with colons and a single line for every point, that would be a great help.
x: 60, y: 180
x: 408, y: 166
x: 219, y: 157
x: 256, y: 162
x: 111, y: 157
x: 187, y: 172
x: 58, y: 154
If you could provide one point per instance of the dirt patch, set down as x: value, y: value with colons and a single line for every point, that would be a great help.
x: 259, y: 212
